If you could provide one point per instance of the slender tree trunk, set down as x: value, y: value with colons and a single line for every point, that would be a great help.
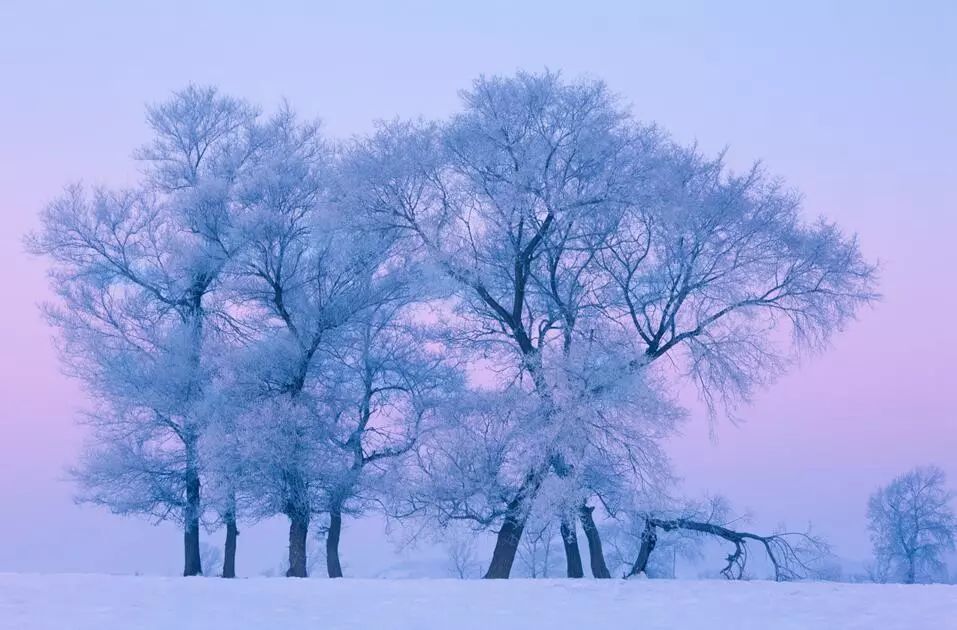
x: 190, y: 437
x: 596, y: 554
x: 193, y: 564
x: 298, y: 532
x: 573, y: 557
x: 229, y: 558
x: 332, y: 544
x: 911, y: 576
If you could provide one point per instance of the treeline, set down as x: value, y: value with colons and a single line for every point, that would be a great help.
x: 475, y: 320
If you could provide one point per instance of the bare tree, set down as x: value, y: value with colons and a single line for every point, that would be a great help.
x: 536, y: 554
x: 461, y: 547
x: 912, y: 525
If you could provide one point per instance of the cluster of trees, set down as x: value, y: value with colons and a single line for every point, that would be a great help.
x: 477, y: 320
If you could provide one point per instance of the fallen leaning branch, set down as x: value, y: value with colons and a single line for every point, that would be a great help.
x: 792, y: 554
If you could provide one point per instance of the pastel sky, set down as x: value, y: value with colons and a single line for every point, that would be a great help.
x: 854, y: 103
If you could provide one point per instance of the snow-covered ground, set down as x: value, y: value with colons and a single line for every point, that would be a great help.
x: 79, y: 602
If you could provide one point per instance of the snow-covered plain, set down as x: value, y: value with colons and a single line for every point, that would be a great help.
x: 80, y: 602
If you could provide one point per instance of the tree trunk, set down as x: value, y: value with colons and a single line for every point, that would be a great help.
x: 298, y: 532
x: 190, y: 437
x: 648, y: 541
x: 911, y: 576
x: 510, y: 534
x: 193, y: 564
x: 506, y: 545
x: 573, y: 557
x: 229, y: 558
x: 596, y: 554
x: 332, y: 545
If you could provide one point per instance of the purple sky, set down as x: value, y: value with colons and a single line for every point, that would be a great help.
x: 856, y: 106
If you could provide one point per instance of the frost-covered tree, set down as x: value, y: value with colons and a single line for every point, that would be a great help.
x: 298, y: 278
x: 384, y: 385
x: 582, y: 247
x: 253, y: 315
x: 225, y: 473
x: 717, y: 273
x: 135, y: 273
x: 460, y: 545
x: 330, y: 373
x: 913, y: 525
x: 508, y: 200
x: 537, y: 554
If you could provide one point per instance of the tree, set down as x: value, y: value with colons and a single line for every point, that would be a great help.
x: 294, y: 283
x: 912, y: 524
x: 572, y: 234
x: 536, y: 553
x: 712, y: 271
x: 287, y: 288
x: 384, y: 383
x: 134, y: 271
x: 460, y: 546
x: 333, y: 373
x: 494, y: 200
x: 225, y: 473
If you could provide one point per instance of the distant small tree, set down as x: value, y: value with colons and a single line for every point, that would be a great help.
x: 211, y: 558
x: 912, y: 525
x: 536, y: 552
x: 461, y: 546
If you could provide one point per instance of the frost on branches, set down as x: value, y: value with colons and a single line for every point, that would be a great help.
x: 136, y: 273
x: 460, y: 322
x: 912, y: 526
